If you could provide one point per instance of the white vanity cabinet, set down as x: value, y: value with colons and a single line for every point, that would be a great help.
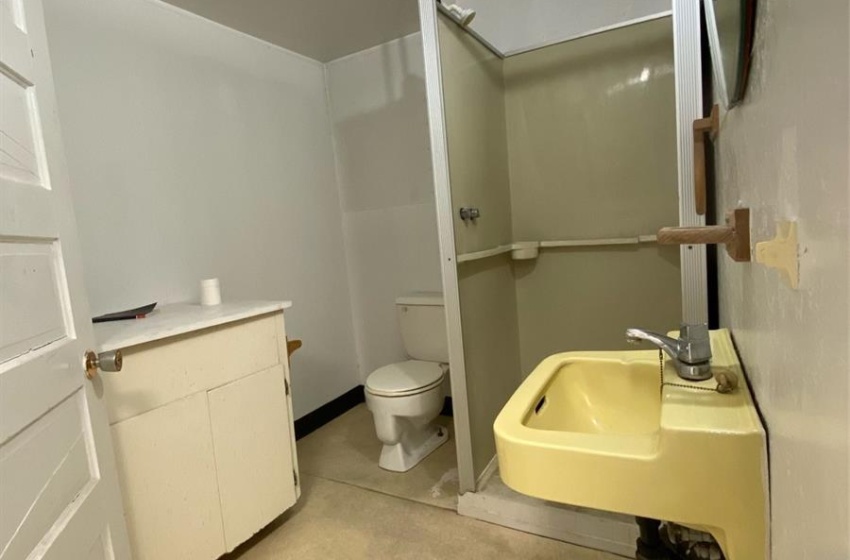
x: 201, y: 419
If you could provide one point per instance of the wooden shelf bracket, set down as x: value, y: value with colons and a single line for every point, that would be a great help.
x: 710, y: 124
x: 735, y: 235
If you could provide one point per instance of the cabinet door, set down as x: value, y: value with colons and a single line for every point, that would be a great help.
x: 253, y: 456
x: 283, y: 352
x: 168, y: 480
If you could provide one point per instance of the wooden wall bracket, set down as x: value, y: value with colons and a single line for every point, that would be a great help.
x: 291, y: 347
x: 735, y: 235
x: 710, y: 124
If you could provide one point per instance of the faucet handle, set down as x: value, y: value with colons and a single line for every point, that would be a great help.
x: 694, y: 343
x: 696, y: 331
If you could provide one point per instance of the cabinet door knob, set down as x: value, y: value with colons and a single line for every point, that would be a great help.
x: 105, y: 361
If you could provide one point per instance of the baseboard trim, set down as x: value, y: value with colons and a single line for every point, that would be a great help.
x: 447, y: 408
x: 312, y: 421
x: 487, y: 473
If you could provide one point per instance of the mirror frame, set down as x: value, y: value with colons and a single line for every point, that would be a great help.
x: 745, y: 52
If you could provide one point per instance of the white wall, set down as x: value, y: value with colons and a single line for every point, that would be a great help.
x: 518, y: 25
x: 380, y: 126
x: 784, y: 154
x: 196, y: 151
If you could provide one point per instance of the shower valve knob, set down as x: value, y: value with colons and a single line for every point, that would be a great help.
x: 469, y: 214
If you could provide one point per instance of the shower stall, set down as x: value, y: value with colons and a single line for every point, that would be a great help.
x: 559, y: 137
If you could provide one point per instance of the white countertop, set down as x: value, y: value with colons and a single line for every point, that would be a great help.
x: 175, y: 319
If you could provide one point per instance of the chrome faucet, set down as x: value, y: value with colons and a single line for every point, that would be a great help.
x: 691, y: 352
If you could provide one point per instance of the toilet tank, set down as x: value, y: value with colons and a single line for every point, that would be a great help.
x: 423, y: 326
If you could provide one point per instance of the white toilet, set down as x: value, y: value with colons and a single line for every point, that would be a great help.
x: 406, y: 397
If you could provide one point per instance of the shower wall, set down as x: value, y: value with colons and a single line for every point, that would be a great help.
x: 574, y: 141
x: 591, y: 130
x: 473, y: 89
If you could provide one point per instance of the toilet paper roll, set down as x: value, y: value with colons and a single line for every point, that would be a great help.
x: 210, y: 292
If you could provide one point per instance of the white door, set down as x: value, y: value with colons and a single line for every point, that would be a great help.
x: 59, y: 496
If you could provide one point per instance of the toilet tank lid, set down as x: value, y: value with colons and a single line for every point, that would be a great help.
x: 421, y: 298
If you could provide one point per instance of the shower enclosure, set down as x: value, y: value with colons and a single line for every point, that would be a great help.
x: 561, y: 142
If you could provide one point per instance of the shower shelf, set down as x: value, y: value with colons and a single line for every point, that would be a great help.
x: 524, y: 250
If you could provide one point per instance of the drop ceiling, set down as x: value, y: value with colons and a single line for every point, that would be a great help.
x: 320, y: 29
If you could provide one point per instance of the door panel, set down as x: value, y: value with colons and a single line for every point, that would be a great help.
x: 58, y: 483
x: 31, y: 311
x: 19, y: 149
x: 14, y: 42
x: 43, y: 470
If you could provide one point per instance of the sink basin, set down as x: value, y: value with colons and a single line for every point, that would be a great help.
x: 600, y: 430
x: 599, y: 396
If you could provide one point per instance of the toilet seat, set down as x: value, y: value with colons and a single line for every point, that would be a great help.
x: 403, y: 379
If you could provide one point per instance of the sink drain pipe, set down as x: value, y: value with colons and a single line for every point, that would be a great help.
x: 674, y: 542
x: 649, y: 544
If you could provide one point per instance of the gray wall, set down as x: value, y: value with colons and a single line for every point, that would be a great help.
x: 478, y: 170
x: 574, y: 141
x: 592, y: 148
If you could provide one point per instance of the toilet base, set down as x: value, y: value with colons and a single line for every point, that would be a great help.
x: 395, y: 458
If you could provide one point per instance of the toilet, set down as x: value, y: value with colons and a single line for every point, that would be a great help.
x: 406, y: 397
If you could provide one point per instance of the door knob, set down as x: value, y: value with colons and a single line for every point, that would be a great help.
x: 105, y: 361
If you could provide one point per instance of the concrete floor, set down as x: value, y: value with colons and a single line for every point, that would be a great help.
x: 350, y: 509
x: 346, y: 450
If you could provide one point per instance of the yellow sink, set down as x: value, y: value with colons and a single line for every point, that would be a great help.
x: 600, y: 430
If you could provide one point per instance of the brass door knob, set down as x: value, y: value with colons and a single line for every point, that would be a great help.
x: 105, y: 361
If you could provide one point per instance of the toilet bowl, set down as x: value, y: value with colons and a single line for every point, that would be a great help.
x: 404, y: 406
x: 406, y: 397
